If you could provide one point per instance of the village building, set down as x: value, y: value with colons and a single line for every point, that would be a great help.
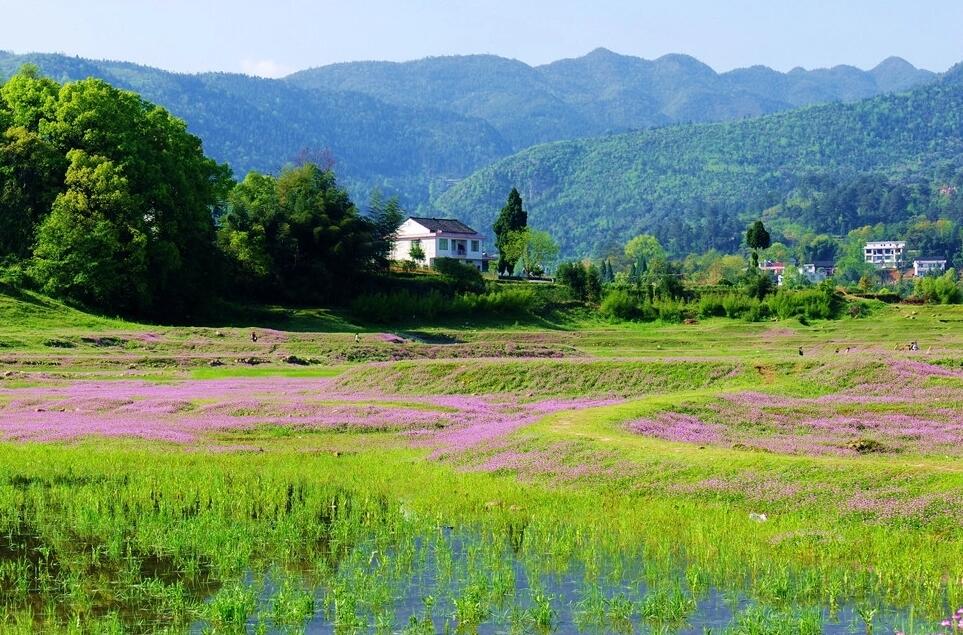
x: 885, y: 254
x: 927, y: 266
x: 816, y: 272
x: 774, y: 268
x: 440, y: 238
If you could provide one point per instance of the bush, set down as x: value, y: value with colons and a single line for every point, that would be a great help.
x: 736, y: 305
x: 711, y: 305
x: 583, y: 282
x: 627, y: 305
x: 462, y: 277
x: 757, y: 312
x: 402, y: 305
x: 939, y: 289
x: 757, y: 285
x: 671, y: 310
x: 731, y: 305
x: 812, y: 304
x: 620, y: 304
x: 14, y: 276
x: 500, y: 302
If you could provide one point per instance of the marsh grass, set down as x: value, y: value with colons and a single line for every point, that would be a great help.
x: 600, y: 529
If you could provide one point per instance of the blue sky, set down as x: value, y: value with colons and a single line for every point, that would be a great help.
x: 276, y: 37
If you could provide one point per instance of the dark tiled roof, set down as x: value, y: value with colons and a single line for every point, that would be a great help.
x: 445, y: 225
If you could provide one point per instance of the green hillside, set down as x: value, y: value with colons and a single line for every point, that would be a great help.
x: 262, y: 124
x: 590, y: 193
x: 413, y: 129
x: 602, y: 91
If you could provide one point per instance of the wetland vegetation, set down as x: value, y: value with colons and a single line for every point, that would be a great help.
x: 596, y: 477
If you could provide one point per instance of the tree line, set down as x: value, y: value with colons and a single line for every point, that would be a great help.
x: 106, y: 200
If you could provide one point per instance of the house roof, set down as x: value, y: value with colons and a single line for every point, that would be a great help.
x: 933, y: 259
x: 444, y: 225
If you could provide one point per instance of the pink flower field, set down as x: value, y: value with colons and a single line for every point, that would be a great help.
x: 912, y: 410
x: 185, y: 412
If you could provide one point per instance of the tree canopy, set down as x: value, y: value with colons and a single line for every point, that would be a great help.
x: 512, y: 218
x: 90, y: 174
x: 296, y: 237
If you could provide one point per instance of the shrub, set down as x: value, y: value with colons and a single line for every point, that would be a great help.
x: 583, y: 282
x: 401, y: 305
x: 500, y: 302
x: 757, y: 285
x: 731, y: 305
x: 620, y: 304
x: 711, y: 305
x: 670, y: 310
x: 736, y: 305
x: 939, y: 289
x: 14, y: 276
x: 757, y: 312
x: 462, y: 277
x: 813, y: 304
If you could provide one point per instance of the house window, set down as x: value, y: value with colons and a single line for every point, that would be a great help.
x: 474, y: 245
x: 442, y: 244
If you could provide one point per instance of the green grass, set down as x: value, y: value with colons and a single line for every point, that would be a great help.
x: 223, y: 372
x: 268, y: 526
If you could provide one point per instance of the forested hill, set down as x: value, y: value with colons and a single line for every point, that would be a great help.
x: 602, y: 92
x: 415, y: 128
x: 590, y: 193
x: 252, y: 123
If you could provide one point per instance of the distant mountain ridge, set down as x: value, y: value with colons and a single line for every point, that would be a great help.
x: 415, y: 128
x: 263, y: 124
x: 602, y: 92
x: 591, y: 193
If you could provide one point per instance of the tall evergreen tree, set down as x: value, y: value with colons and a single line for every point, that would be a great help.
x: 757, y: 238
x: 512, y: 218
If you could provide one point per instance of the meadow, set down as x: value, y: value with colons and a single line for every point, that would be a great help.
x: 544, y: 476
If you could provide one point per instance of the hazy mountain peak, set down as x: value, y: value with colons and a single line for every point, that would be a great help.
x: 895, y: 73
x: 893, y: 63
x: 686, y: 62
x: 601, y: 51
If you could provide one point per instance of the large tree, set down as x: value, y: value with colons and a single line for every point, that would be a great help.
x: 31, y: 176
x: 644, y: 248
x: 110, y: 139
x: 535, y: 250
x: 512, y: 218
x: 297, y: 237
x: 93, y: 247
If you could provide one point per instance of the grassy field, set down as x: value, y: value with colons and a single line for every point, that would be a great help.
x: 573, y: 476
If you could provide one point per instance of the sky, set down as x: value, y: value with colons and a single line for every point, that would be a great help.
x: 277, y: 37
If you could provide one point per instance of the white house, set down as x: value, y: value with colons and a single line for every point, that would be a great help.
x: 926, y: 266
x: 885, y: 254
x: 816, y: 272
x: 440, y: 238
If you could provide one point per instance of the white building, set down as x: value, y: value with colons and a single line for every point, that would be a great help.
x: 774, y: 269
x: 926, y: 266
x: 885, y: 254
x: 440, y: 238
x: 816, y: 272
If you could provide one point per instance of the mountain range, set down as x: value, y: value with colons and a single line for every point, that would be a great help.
x: 594, y: 192
x: 416, y: 128
x: 602, y: 92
